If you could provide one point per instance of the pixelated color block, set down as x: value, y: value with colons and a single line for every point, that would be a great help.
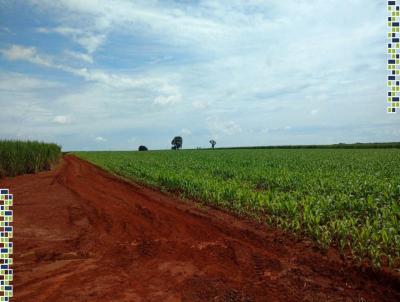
x: 393, y: 21
x: 6, y: 245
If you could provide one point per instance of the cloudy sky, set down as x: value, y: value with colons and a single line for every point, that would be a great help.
x: 109, y: 75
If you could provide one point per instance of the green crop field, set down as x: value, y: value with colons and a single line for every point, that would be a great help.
x: 346, y: 198
x: 19, y: 157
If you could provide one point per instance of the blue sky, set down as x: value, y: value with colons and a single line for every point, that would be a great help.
x: 111, y: 75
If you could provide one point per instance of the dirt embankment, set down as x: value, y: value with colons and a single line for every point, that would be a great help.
x: 84, y: 235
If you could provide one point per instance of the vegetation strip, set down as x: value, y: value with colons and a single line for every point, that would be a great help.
x: 20, y: 157
x: 349, y: 198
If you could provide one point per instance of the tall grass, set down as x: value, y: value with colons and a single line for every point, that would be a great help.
x: 20, y: 157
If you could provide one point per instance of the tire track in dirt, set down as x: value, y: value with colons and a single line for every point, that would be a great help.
x: 82, y: 234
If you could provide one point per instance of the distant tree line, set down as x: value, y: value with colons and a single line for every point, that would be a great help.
x: 332, y: 146
x: 177, y: 143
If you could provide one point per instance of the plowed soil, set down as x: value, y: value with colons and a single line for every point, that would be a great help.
x: 82, y: 234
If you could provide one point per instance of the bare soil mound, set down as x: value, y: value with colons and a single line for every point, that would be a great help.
x: 82, y: 234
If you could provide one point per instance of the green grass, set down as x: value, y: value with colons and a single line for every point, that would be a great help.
x: 20, y: 157
x: 346, y: 198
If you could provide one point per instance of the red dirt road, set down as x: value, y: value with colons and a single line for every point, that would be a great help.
x: 82, y: 234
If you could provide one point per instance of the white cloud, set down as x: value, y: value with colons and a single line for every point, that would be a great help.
x: 63, y: 30
x: 167, y: 99
x: 314, y: 111
x: 168, y: 94
x: 217, y: 126
x: 176, y: 24
x: 100, y: 139
x: 200, y: 104
x: 113, y: 80
x: 17, y: 52
x: 80, y: 56
x: 17, y: 82
x: 62, y: 119
x: 186, y: 131
x: 90, y: 41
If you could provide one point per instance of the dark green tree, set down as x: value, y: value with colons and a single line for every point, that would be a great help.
x: 176, y: 143
x: 213, y: 143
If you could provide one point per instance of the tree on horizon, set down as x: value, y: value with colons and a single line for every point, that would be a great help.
x: 213, y: 143
x: 176, y: 143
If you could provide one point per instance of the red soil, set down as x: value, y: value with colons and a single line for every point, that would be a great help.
x: 82, y: 234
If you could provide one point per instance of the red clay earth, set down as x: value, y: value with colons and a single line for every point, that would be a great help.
x: 82, y: 234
